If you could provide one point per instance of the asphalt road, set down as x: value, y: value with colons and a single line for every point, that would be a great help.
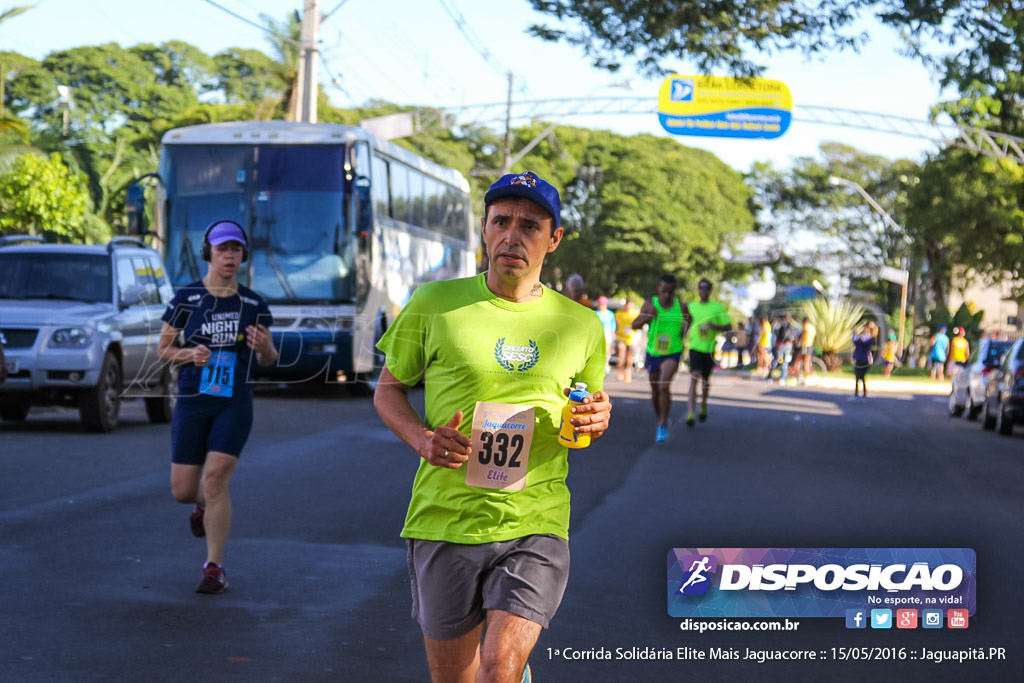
x: 98, y: 567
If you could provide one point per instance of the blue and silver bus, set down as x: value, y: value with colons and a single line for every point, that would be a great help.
x: 342, y: 228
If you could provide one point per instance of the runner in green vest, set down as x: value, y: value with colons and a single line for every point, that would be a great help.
x: 664, y: 314
x: 706, y: 318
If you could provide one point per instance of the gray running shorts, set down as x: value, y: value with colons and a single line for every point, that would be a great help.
x: 455, y: 584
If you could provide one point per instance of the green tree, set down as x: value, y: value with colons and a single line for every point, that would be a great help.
x: 985, y: 65
x: 711, y: 34
x: 251, y: 77
x: 968, y: 211
x: 819, y: 223
x: 642, y: 205
x: 42, y: 197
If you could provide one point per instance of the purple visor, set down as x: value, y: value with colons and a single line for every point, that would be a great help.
x: 225, y: 232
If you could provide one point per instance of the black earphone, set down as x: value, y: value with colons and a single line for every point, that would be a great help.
x: 206, y: 249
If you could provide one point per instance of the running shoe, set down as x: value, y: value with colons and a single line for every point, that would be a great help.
x: 215, y: 579
x: 195, y: 522
x: 703, y: 414
x: 660, y: 434
x: 689, y: 419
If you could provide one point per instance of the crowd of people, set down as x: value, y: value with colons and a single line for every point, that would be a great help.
x: 782, y: 345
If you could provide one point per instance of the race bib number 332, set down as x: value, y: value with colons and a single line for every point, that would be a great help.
x: 501, y: 438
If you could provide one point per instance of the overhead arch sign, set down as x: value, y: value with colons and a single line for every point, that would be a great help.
x: 724, y: 107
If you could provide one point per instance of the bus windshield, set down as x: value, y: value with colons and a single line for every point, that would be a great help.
x: 291, y: 199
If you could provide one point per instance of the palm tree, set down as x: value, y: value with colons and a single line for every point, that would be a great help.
x: 284, y: 39
x: 14, y: 134
x: 7, y: 124
x: 834, y: 323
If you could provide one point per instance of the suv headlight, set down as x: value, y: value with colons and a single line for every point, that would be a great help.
x: 71, y: 337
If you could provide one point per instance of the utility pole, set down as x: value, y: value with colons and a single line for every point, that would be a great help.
x: 506, y: 155
x: 306, y: 82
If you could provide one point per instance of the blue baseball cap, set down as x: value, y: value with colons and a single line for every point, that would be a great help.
x: 527, y: 185
x: 225, y: 231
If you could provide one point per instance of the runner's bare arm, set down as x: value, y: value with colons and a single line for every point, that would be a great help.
x: 169, y: 352
x: 259, y: 340
x: 594, y: 416
x: 687, y: 320
x: 445, y: 446
x: 647, y: 314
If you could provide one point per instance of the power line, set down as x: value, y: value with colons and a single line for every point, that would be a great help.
x: 335, y: 81
x: 463, y: 26
x: 337, y: 7
x: 253, y: 23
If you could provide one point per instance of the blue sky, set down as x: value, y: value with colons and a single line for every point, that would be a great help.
x: 412, y: 52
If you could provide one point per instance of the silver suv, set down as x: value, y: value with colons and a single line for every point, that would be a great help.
x: 80, y: 326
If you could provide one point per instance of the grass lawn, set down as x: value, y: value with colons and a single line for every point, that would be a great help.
x: 875, y: 373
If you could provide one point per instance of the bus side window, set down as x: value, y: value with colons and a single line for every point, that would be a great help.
x: 381, y: 187
x: 364, y: 212
x: 400, y: 192
x: 416, y: 195
x: 434, y: 197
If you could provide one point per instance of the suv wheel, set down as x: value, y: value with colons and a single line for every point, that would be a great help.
x: 160, y: 406
x: 952, y: 409
x: 970, y: 408
x: 14, y: 411
x: 1004, y: 423
x: 100, y: 406
x: 987, y: 419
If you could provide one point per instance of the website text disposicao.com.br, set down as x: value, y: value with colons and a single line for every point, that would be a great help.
x: 705, y: 625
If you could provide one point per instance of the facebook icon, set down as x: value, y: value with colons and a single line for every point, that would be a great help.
x: 856, y: 618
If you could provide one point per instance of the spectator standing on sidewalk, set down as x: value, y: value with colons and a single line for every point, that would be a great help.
x: 939, y: 353
x: 863, y: 345
x: 959, y: 350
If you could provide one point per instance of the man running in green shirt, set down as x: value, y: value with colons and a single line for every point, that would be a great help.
x: 487, y: 525
x: 664, y: 316
x: 706, y: 318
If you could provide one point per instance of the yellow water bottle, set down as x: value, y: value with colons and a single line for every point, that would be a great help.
x: 567, y: 435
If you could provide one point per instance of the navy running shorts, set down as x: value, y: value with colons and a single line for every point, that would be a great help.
x: 209, y: 423
x: 653, y: 363
x: 455, y: 584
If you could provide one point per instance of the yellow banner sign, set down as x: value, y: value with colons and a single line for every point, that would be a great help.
x: 724, y: 107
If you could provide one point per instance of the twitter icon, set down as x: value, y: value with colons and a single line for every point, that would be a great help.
x: 881, y: 618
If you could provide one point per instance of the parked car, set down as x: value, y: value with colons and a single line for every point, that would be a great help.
x: 967, y: 395
x: 1004, y: 393
x: 80, y: 326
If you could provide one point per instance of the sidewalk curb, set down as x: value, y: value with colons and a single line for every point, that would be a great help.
x: 894, y: 386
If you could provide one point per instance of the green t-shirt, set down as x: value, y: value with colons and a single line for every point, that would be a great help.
x: 470, y: 345
x: 665, y: 331
x: 711, y: 312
